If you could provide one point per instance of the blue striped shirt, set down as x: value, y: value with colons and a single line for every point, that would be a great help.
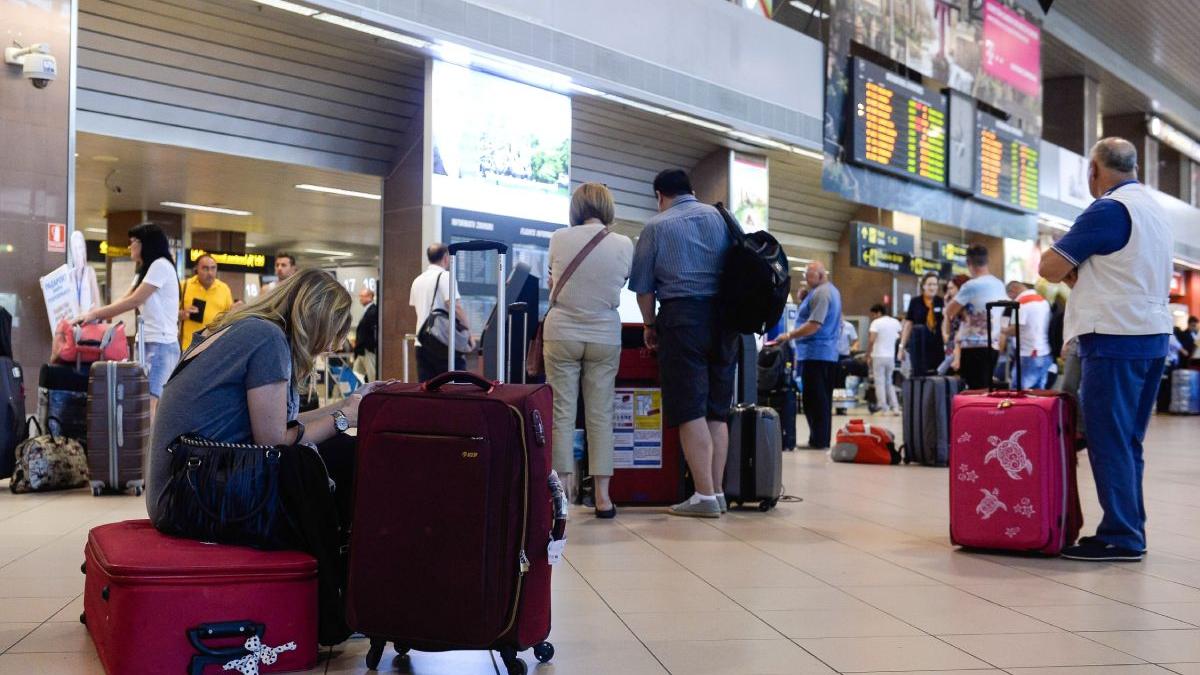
x: 680, y: 252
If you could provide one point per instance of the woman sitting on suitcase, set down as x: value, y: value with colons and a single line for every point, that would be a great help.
x: 237, y: 382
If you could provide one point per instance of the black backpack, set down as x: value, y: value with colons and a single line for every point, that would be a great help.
x: 774, y: 368
x: 755, y: 279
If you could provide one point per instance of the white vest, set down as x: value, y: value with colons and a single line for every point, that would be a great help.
x: 1126, y: 292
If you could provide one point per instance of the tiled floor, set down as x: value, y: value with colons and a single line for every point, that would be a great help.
x: 858, y: 577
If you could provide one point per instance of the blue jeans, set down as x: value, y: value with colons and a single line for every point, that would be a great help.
x: 1118, y: 396
x: 161, y: 359
x: 1034, y: 370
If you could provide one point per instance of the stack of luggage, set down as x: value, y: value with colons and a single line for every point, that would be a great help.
x: 777, y: 388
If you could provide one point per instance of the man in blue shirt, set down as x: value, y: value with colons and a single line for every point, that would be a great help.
x: 820, y: 320
x: 677, y: 262
x: 1117, y: 260
x: 978, y: 354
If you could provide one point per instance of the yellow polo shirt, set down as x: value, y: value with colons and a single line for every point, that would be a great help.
x: 218, y: 299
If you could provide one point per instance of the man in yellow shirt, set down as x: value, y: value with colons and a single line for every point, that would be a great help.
x: 204, y: 298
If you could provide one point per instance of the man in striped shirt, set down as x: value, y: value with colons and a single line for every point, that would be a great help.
x: 678, y: 263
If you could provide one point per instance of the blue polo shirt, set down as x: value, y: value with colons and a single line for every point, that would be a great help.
x: 1103, y: 229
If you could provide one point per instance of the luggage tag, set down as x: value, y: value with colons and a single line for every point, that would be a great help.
x: 554, y: 551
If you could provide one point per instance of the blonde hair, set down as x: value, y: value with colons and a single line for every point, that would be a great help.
x: 591, y: 200
x: 311, y: 307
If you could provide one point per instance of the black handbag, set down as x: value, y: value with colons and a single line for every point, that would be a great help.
x: 225, y: 492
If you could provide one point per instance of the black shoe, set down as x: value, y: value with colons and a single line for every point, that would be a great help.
x: 1097, y: 551
x: 607, y: 515
x: 1095, y: 541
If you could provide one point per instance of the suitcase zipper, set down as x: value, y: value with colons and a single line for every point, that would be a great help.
x: 522, y: 560
x: 463, y: 437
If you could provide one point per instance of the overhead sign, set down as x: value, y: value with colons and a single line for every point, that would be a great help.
x: 1012, y: 48
x: 1007, y: 164
x: 112, y: 251
x: 872, y: 236
x: 250, y: 263
x: 899, y: 125
x: 955, y: 255
x: 883, y: 250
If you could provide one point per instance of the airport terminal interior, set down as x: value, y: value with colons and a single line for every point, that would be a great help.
x: 1006, y: 484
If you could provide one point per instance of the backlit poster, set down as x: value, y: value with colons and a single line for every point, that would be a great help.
x: 1012, y: 48
x: 637, y: 429
x: 1020, y: 260
x: 500, y: 146
x: 749, y: 185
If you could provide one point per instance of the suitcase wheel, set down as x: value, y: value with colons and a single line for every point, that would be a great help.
x: 765, y: 506
x: 544, y: 652
x: 83, y: 568
x: 513, y: 663
x: 83, y: 618
x: 375, y: 653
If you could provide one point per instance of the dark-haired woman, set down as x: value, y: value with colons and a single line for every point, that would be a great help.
x: 155, y: 293
x: 921, y: 340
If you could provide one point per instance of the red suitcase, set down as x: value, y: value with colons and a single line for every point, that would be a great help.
x: 1012, y: 469
x: 456, y: 515
x: 155, y: 604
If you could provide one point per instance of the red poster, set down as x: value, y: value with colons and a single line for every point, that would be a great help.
x: 1012, y: 48
x: 56, y: 237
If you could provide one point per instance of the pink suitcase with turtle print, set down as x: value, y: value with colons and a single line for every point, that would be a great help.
x: 1012, y: 469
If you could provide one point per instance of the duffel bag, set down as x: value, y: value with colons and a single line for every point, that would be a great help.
x: 47, y: 462
x: 862, y: 443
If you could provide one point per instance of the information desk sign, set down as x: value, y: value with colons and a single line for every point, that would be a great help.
x: 899, y: 126
x: 1006, y: 164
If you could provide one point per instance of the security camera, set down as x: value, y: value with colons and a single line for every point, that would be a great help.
x: 36, y: 63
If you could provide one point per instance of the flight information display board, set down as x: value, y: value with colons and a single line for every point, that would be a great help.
x: 899, y: 125
x: 1006, y: 164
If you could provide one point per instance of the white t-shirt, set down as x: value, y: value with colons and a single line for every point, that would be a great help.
x: 421, y: 295
x: 160, y: 313
x: 886, y: 330
x: 1035, y: 324
x: 974, y: 296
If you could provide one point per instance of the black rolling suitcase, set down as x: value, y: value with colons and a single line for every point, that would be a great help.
x: 777, y: 390
x: 62, y: 401
x: 926, y: 404
x: 12, y: 398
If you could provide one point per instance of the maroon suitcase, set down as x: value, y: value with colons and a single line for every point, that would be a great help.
x: 155, y: 604
x: 456, y: 515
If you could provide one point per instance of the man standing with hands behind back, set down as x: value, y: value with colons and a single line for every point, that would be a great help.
x: 204, y: 298
x: 1117, y: 258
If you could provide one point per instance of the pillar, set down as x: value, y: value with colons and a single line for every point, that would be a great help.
x: 35, y: 134
x: 1071, y: 115
x: 403, y: 251
x: 1133, y: 128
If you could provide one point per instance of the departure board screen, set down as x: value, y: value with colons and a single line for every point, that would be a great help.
x: 1006, y: 164
x: 899, y: 125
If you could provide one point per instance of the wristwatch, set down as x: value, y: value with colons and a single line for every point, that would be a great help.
x: 340, y: 422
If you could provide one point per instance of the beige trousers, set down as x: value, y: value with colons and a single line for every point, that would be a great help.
x: 570, y: 365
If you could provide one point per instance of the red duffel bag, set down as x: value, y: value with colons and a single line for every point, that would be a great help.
x: 862, y: 443
x: 84, y: 343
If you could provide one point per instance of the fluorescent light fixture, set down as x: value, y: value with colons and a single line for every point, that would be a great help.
x: 207, y: 209
x: 759, y: 140
x: 372, y: 30
x: 249, y: 245
x: 336, y: 254
x: 95, y: 230
x: 338, y: 191
x: 804, y: 152
x: 587, y: 91
x: 699, y: 122
x: 288, y: 7
x: 1174, y: 138
x: 808, y: 9
x: 637, y: 104
x: 1054, y: 222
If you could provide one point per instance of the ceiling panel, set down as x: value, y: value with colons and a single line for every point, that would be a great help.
x: 114, y: 174
x: 1159, y: 36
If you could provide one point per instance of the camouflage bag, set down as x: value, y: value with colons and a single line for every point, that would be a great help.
x: 47, y: 462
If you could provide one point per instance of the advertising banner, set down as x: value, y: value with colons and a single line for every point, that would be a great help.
x: 749, y: 185
x: 637, y: 429
x: 1012, y: 48
x: 62, y: 302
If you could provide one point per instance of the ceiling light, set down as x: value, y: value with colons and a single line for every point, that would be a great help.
x: 636, y: 104
x: 337, y: 191
x: 95, y: 230
x: 1174, y: 138
x: 372, y: 30
x: 759, y: 140
x: 249, y: 245
x: 803, y: 152
x: 288, y: 7
x: 207, y: 209
x: 321, y: 251
x: 105, y: 158
x: 588, y: 91
x: 808, y: 9
x: 699, y: 122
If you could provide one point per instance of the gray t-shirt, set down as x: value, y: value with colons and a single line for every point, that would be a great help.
x: 208, y: 397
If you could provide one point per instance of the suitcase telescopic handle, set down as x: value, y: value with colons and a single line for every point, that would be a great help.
x: 478, y: 245
x: 458, y: 377
x: 1016, y: 321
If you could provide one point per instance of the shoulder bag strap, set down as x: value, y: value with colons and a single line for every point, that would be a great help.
x: 575, y: 263
x: 437, y: 283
